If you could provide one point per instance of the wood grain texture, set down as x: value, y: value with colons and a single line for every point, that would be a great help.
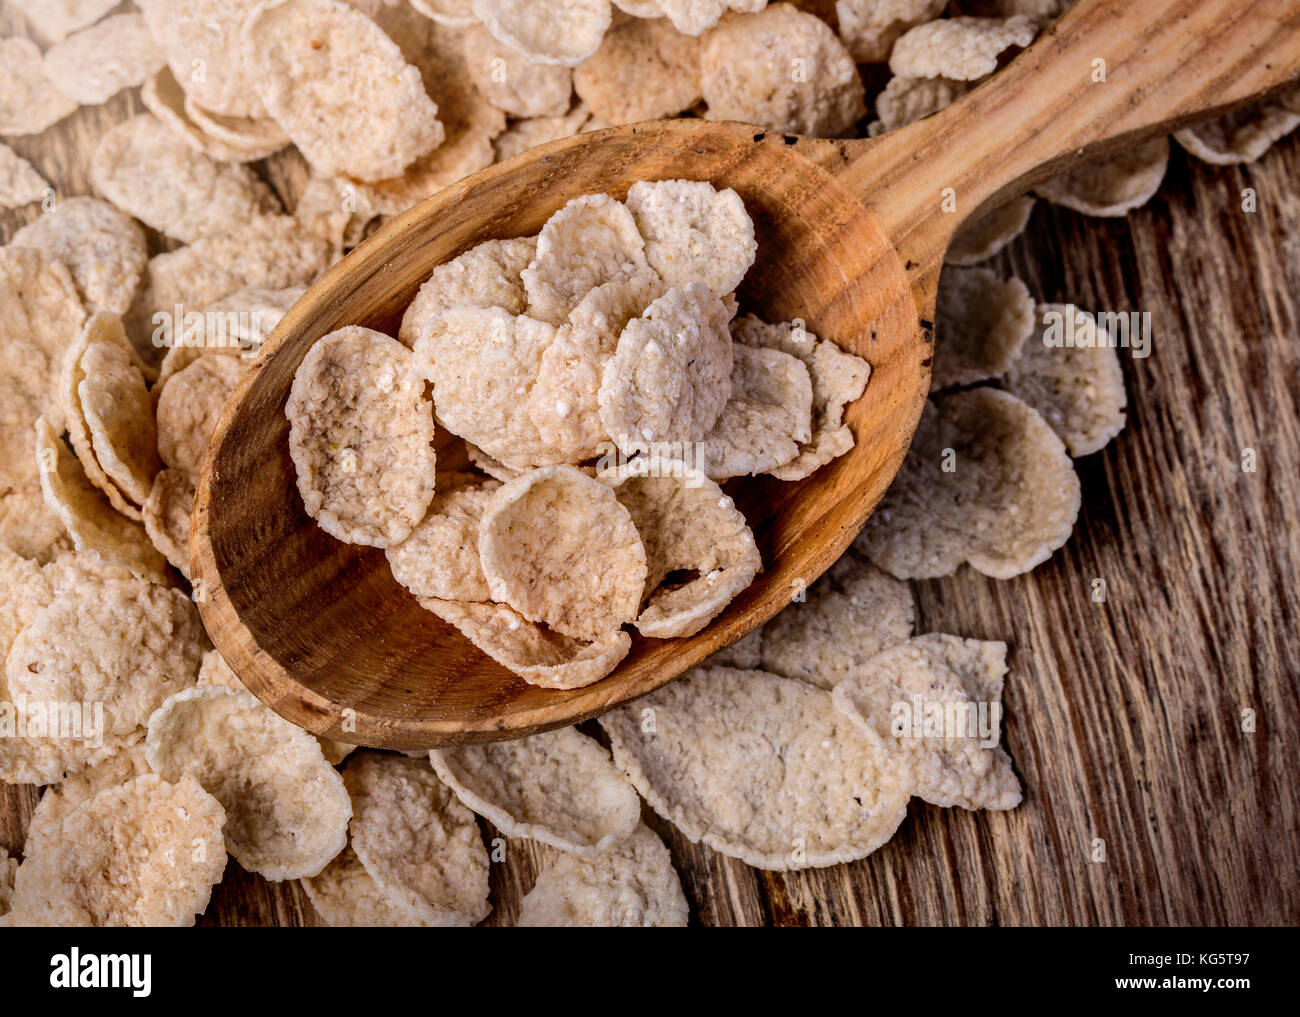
x: 1124, y: 719
x: 1105, y: 76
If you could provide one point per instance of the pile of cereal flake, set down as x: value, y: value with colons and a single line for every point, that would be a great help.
x: 599, y: 377
x: 132, y: 304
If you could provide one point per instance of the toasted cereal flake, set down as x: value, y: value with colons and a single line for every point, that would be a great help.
x: 341, y: 89
x: 639, y: 9
x: 103, y: 248
x: 162, y: 96
x: 487, y: 275
x: 125, y: 643
x: 29, y: 102
x: 758, y: 767
x: 512, y: 82
x: 419, y: 844
x: 55, y: 20
x: 147, y: 170
x: 767, y: 418
x: 147, y: 853
x: 249, y: 317
x: 166, y: 100
x: 18, y: 408
x: 470, y: 122
x: 559, y: 787
x: 378, y: 11
x: 27, y: 525
x: 1115, y: 186
x: 215, y: 671
x: 1009, y: 500
x: 286, y: 808
x: 633, y: 884
x: 688, y: 525
x: 482, y: 362
x: 47, y: 746
x: 782, y: 69
x: 201, y: 40
x: 454, y: 13
x: 558, y: 547
x: 746, y: 652
x: 907, y: 100
x: 694, y: 233
x: 952, y: 768
x: 40, y: 317
x: 189, y: 407
x: 56, y: 803
x: 269, y: 252
x: 252, y: 137
x: 538, y: 655
x: 692, y: 17
x: 1078, y: 389
x: 838, y: 378
x: 400, y: 22
x: 119, y: 417
x: 345, y: 896
x: 360, y: 434
x: 670, y: 375
x: 1245, y: 134
x: 590, y: 241
x: 20, y: 184
x: 101, y: 328
x: 330, y: 209
x: 177, y: 358
x: 24, y: 590
x: 96, y: 63
x: 533, y: 131
x: 871, y: 27
x: 960, y: 48
x: 76, y: 572
x: 981, y: 324
x: 44, y: 755
x: 849, y: 615
x: 440, y: 557
x: 494, y: 469
x: 558, y: 32
x: 644, y: 70
x: 564, y: 404
x: 166, y: 516
x: 96, y: 528
x: 981, y: 238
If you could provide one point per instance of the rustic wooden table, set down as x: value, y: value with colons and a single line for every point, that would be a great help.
x: 1156, y: 734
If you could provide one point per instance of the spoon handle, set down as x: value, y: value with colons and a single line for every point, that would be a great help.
x: 1105, y: 76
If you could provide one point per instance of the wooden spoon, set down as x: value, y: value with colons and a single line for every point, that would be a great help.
x: 851, y: 239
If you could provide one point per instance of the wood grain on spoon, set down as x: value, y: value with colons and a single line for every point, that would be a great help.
x: 851, y: 239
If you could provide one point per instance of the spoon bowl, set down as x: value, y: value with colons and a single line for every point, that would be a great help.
x: 316, y: 627
x: 851, y: 238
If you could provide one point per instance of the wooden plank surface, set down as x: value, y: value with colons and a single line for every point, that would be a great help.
x: 1124, y: 719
